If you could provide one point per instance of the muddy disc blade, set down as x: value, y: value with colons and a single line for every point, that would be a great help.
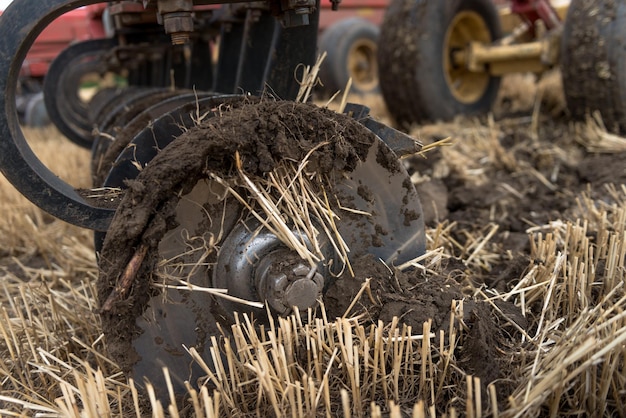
x: 392, y: 227
x: 180, y: 316
x: 199, y: 233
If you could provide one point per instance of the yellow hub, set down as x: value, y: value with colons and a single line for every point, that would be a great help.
x: 466, y: 86
x: 362, y: 64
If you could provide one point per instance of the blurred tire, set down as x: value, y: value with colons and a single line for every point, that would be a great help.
x: 35, y: 113
x: 351, y: 45
x: 593, y: 61
x: 418, y: 79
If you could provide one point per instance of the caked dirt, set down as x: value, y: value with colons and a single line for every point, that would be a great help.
x: 416, y: 297
x: 532, y: 172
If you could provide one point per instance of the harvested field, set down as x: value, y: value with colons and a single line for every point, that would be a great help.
x: 517, y: 309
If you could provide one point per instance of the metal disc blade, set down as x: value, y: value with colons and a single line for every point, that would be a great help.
x: 391, y: 226
x: 180, y: 316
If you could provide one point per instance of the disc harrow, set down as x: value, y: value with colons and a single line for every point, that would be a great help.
x: 223, y: 196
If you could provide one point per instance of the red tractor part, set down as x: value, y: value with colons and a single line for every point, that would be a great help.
x: 370, y: 10
x: 75, y: 26
x: 532, y: 11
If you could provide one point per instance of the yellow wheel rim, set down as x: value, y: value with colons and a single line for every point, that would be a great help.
x: 362, y: 64
x: 466, y: 86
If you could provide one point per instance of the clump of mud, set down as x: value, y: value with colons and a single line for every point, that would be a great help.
x: 416, y: 297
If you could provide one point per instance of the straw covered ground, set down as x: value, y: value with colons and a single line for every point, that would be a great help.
x: 522, y: 309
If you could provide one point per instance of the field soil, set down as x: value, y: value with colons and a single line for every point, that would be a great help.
x: 494, y: 191
x: 530, y: 172
x: 496, y: 182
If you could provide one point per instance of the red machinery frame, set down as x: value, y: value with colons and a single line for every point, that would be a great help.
x: 531, y: 11
x: 77, y: 25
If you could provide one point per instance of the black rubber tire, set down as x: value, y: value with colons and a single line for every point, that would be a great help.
x: 61, y: 87
x: 36, y: 115
x: 345, y: 38
x: 412, y: 72
x: 593, y: 60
